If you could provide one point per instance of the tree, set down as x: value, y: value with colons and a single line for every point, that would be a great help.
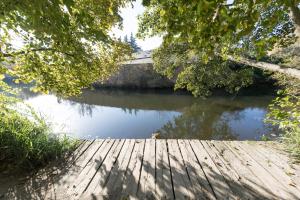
x: 198, y: 33
x: 202, y: 38
x: 133, y: 44
x: 221, y: 28
x: 197, y: 76
x: 126, y: 39
x: 66, y: 45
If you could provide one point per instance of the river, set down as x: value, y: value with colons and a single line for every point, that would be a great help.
x: 135, y: 114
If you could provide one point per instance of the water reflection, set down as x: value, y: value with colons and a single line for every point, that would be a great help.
x: 128, y: 114
x: 218, y: 122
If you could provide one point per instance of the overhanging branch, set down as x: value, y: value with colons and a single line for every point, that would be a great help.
x: 13, y: 54
x: 267, y: 66
x: 253, y: 63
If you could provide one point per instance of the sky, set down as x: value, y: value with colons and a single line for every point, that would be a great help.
x: 130, y: 25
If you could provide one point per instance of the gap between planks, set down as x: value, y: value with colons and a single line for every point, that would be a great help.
x: 169, y: 169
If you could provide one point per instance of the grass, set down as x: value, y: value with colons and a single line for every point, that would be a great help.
x: 26, y: 142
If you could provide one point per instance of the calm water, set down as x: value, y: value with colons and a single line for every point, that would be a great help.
x: 125, y: 114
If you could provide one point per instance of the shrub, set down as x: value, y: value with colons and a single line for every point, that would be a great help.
x: 285, y: 112
x: 26, y: 141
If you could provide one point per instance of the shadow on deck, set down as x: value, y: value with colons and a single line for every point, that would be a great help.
x: 165, y: 169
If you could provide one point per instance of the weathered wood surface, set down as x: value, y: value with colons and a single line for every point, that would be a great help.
x: 172, y: 169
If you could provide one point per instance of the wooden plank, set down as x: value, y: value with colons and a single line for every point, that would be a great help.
x: 101, y: 175
x: 182, y: 186
x: 79, y: 151
x: 181, y: 169
x: 147, y: 180
x: 278, y: 158
x: 87, y: 157
x: 212, y: 172
x: 269, y: 181
x: 86, y: 175
x: 114, y: 184
x: 163, y: 185
x: 80, y: 145
x: 98, y: 174
x: 197, y: 177
x: 277, y: 173
x: 80, y: 162
x: 240, y: 179
x: 130, y: 183
x: 69, y: 173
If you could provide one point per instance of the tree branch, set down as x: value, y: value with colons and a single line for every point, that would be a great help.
x: 263, y: 65
x: 295, y: 16
x: 34, y: 50
x: 295, y: 13
x: 267, y: 66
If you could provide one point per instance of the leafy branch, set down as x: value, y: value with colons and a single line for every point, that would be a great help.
x: 13, y: 54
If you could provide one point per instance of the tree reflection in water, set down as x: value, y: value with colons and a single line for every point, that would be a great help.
x: 83, y: 109
x: 207, y: 121
x: 199, y: 121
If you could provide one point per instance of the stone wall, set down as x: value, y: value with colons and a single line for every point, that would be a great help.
x: 137, y: 75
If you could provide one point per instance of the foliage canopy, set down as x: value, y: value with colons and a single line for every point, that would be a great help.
x: 65, y: 45
x: 205, y: 31
x: 220, y: 27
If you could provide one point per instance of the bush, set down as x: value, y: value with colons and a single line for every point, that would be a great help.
x: 285, y: 112
x: 27, y: 142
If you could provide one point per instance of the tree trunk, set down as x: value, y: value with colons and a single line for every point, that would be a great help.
x: 267, y: 66
x: 295, y: 15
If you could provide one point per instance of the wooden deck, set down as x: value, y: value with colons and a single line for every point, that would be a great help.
x: 175, y: 169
